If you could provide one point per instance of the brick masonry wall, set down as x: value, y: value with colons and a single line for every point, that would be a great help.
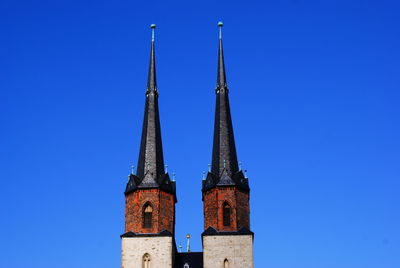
x: 213, y: 202
x: 166, y: 218
x: 243, y: 209
x: 163, y: 205
x: 210, y: 209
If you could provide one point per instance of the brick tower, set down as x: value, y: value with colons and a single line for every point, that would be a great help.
x: 227, y: 239
x: 150, y: 195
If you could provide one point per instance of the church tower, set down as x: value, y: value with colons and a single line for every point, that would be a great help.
x: 227, y: 239
x: 150, y: 195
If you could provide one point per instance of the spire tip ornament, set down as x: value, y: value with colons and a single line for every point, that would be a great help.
x: 152, y: 26
x: 220, y: 24
x: 188, y: 243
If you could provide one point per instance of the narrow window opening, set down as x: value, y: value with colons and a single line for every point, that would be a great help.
x: 226, y: 215
x: 146, y: 261
x: 226, y: 263
x: 147, y: 216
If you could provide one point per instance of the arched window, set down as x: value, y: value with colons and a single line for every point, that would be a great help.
x: 226, y: 211
x: 147, y: 215
x: 226, y: 263
x: 146, y: 261
x: 186, y: 265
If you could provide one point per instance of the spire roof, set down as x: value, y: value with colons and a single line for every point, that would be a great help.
x: 151, y: 79
x: 221, y: 76
x: 224, y: 166
x: 150, y: 169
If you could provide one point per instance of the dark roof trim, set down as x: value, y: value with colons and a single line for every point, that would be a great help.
x: 242, y: 231
x: 164, y: 183
x: 132, y: 234
x: 193, y: 259
x: 237, y: 180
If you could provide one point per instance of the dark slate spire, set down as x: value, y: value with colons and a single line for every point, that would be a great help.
x: 151, y: 79
x: 224, y: 150
x: 150, y: 170
x: 224, y: 166
x: 221, y: 76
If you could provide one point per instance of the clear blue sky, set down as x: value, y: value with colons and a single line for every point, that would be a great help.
x: 314, y: 90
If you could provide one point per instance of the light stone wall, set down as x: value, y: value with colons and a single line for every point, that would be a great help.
x: 237, y: 249
x: 159, y: 249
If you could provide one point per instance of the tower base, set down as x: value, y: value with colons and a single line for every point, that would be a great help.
x: 155, y: 250
x: 229, y: 249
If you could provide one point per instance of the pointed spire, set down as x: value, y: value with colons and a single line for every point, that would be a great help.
x: 224, y: 150
x: 221, y: 77
x: 151, y: 162
x: 151, y: 80
x: 150, y: 171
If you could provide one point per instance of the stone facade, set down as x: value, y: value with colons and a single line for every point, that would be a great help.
x: 163, y: 205
x: 159, y: 249
x: 213, y: 202
x: 237, y: 250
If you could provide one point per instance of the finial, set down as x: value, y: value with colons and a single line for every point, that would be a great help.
x: 152, y: 26
x: 245, y: 173
x: 180, y: 247
x: 220, y: 24
x: 166, y: 168
x: 188, y: 243
x: 173, y: 176
x: 209, y: 167
x: 204, y: 175
x: 132, y: 169
x: 240, y: 165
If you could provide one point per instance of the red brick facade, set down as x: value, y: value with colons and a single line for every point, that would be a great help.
x: 163, y: 215
x: 238, y: 201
